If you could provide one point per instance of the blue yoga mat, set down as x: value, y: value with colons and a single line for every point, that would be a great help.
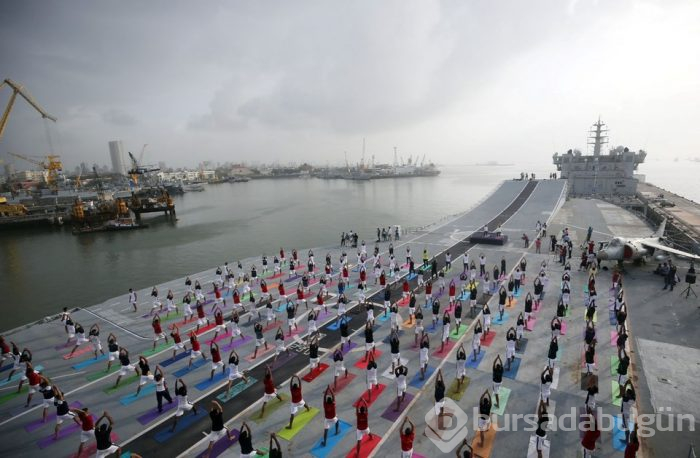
x: 178, y: 357
x: 416, y: 382
x: 186, y: 370
x: 497, y: 320
x: 131, y: 398
x: 218, y: 377
x: 89, y: 362
x: 514, y: 366
x: 183, y: 423
x: 336, y: 324
x: 474, y: 364
x: 322, y: 452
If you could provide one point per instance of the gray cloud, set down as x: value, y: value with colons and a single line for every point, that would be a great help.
x: 118, y: 117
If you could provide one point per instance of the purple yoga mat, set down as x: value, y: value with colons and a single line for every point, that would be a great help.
x: 237, y: 342
x: 390, y: 414
x: 50, y: 419
x: 283, y: 358
x: 221, y: 445
x: 348, y: 347
x: 62, y: 434
x: 153, y: 413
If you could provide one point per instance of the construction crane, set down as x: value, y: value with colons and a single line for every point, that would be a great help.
x: 52, y: 165
x: 18, y: 89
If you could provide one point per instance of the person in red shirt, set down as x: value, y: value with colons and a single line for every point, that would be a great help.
x: 216, y: 361
x: 319, y: 301
x: 452, y: 291
x: 282, y: 258
x: 280, y: 289
x: 270, y: 390
x: 408, y: 434
x: 590, y: 436
x: 236, y: 298
x: 196, y: 348
x: 157, y: 331
x: 297, y: 399
x: 300, y: 296
x: 200, y: 315
x: 329, y: 413
x: 346, y: 274
x: 362, y: 423
x: 33, y: 380
x: 363, y: 277
x: 87, y: 426
x: 177, y: 340
x: 632, y: 445
x: 405, y: 288
x: 263, y: 289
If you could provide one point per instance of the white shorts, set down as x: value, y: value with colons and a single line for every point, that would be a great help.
x: 408, y: 454
x: 621, y: 379
x: 369, y: 346
x: 370, y: 315
x: 113, y: 355
x: 61, y: 418
x: 509, y: 353
x: 194, y: 354
x: 216, y: 365
x: 487, y: 321
x: 439, y: 405
x: 234, y: 373
x: 396, y: 357
x: 220, y: 328
x: 484, y: 423
x: 183, y: 407
x: 71, y: 332
x: 545, y: 395
x: 496, y: 388
x: 372, y: 381
x: 145, y: 379
x: 590, y: 367
x: 401, y: 388
x: 80, y: 339
x: 216, y: 435
x: 178, y: 346
x: 519, y: 333
x: 445, y: 332
x: 201, y: 321
x: 33, y: 388
x: 339, y: 368
x: 269, y: 396
x: 461, y: 370
x: 359, y: 434
x: 476, y: 342
x: 125, y: 369
x: 423, y: 357
x: 291, y: 322
x: 47, y: 402
x: 86, y: 436
x: 280, y: 348
x: 294, y: 406
x: 260, y: 342
x: 327, y: 423
x: 159, y: 336
x: 106, y: 452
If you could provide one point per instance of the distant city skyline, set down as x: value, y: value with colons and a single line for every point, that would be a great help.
x: 459, y: 82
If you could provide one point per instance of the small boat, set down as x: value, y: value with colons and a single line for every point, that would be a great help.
x: 195, y: 187
x: 119, y: 224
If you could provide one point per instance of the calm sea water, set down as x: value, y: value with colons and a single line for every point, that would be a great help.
x: 41, y: 270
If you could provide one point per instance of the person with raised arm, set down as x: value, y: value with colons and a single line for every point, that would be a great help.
x: 183, y: 404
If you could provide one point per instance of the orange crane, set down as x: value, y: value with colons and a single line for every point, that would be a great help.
x: 18, y: 89
x: 53, y: 165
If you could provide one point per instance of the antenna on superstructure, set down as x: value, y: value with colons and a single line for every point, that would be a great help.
x: 597, y: 136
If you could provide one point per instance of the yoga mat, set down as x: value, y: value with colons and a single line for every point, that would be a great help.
x: 455, y: 393
x: 614, y: 361
x: 555, y: 378
x: 613, y: 338
x: 488, y: 339
x: 497, y: 321
x: 310, y: 377
x: 66, y: 430
x: 382, y: 318
x: 319, y: 451
x: 449, y: 345
x: 84, y: 348
x: 343, y: 382
x: 616, y: 399
x: 410, y: 277
x: 391, y: 414
x: 522, y: 346
x: 362, y: 364
x: 237, y: 342
x: 171, y: 360
x: 219, y: 338
x: 462, y: 329
x: 50, y: 419
x: 366, y: 447
x: 236, y: 389
x: 122, y: 383
x: 408, y: 324
x: 283, y: 359
x: 336, y: 324
x: 618, y: 441
x: 416, y: 382
x: 530, y: 324
x: 300, y: 421
x: 347, y: 347
x: 153, y: 413
x: 595, y: 315
x: 152, y: 351
x: 511, y: 303
x: 489, y: 440
x: 503, y: 396
x: 17, y: 375
x: 207, y: 383
x: 563, y: 328
x: 370, y: 400
x: 474, y: 364
x: 532, y: 448
x: 514, y: 366
x: 271, y: 407
x: 196, y: 364
x: 146, y: 390
x: 612, y: 317
x: 89, y: 362
x: 261, y: 352
x: 221, y: 445
x: 183, y: 424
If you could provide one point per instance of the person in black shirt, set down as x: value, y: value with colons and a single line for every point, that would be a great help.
x: 369, y: 340
x: 62, y: 411
x: 465, y: 450
x: 259, y: 338
x: 275, y: 448
x: 344, y: 332
x: 395, y: 351
x: 103, y: 434
x: 218, y: 429
x: 497, y: 370
x: 439, y: 396
x: 484, y: 415
x: 552, y: 352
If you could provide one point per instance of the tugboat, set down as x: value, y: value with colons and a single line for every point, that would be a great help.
x: 118, y: 224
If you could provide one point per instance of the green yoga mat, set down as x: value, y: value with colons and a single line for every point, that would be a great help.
x: 300, y: 420
x: 502, y: 401
x: 271, y: 406
x: 99, y: 374
x: 122, y: 383
x: 456, y: 394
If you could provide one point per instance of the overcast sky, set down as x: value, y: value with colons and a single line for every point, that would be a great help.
x: 458, y: 81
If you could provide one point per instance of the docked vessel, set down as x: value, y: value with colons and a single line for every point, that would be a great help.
x: 113, y: 225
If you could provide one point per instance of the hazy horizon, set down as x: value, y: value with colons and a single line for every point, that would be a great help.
x: 304, y: 81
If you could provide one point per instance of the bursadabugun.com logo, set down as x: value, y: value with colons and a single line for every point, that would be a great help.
x: 448, y: 430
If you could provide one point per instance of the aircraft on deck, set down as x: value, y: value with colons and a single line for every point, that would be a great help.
x: 635, y: 249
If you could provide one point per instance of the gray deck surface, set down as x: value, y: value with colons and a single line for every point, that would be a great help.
x: 652, y: 333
